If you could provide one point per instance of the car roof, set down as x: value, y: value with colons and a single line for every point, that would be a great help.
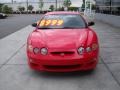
x: 62, y: 12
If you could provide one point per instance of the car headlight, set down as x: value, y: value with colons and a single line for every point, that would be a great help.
x: 36, y: 50
x: 3, y: 14
x: 88, y: 49
x: 81, y: 50
x: 43, y: 51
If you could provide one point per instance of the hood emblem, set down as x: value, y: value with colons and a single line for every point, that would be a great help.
x: 62, y: 54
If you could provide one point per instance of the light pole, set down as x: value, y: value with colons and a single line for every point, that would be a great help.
x: 27, y: 6
x: 110, y: 6
x: 85, y: 8
x: 12, y: 1
x: 56, y: 5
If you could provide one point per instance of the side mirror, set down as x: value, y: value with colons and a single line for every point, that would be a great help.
x: 34, y: 24
x: 91, y: 23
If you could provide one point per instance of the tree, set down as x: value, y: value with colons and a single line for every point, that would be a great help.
x: 67, y: 3
x: 21, y: 9
x: 118, y: 8
x: 6, y: 9
x: 83, y: 1
x: 60, y: 9
x: 83, y: 5
x: 30, y: 7
x: 51, y: 7
x: 93, y: 7
x: 1, y: 7
x: 73, y: 8
x: 41, y: 4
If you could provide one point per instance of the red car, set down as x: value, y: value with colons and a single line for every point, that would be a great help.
x: 62, y: 42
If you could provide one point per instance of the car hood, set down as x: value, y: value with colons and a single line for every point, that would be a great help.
x: 67, y: 38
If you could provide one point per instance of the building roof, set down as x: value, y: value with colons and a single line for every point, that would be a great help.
x: 62, y: 12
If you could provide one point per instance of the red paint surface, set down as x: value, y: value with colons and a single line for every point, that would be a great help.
x: 62, y: 48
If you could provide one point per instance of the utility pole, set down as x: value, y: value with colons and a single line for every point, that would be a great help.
x: 27, y: 6
x: 85, y: 8
x: 110, y: 6
x: 56, y: 5
x: 12, y: 1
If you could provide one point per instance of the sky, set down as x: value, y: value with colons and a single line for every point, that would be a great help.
x: 76, y: 3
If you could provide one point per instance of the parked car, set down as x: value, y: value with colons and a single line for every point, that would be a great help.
x: 62, y: 42
x: 2, y: 15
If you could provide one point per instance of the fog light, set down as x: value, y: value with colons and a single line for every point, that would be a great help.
x: 31, y: 60
x: 94, y: 46
x: 30, y: 48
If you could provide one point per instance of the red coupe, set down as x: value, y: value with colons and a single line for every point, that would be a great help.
x: 62, y: 42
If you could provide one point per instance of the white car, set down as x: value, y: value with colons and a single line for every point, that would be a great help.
x: 2, y: 15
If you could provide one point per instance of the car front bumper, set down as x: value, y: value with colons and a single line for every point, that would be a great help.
x: 63, y: 64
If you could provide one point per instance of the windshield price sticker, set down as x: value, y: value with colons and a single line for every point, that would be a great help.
x: 51, y: 23
x: 48, y: 22
x: 42, y: 23
x: 54, y: 22
x: 60, y: 22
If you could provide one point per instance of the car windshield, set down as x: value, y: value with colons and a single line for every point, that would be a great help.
x: 62, y: 21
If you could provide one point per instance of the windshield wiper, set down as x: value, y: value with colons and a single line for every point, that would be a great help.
x: 70, y: 27
x: 59, y: 28
x: 44, y: 28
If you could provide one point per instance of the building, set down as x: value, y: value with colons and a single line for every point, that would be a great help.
x: 108, y: 7
x: 15, y: 4
x: 108, y: 11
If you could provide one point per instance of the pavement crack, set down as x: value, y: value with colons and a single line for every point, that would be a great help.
x: 12, y: 56
x: 110, y: 71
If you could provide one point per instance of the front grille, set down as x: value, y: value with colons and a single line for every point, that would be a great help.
x: 62, y: 67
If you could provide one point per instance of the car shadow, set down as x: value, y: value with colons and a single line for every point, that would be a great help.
x: 63, y: 74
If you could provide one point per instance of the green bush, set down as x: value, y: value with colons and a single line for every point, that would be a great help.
x: 21, y: 9
x: 6, y: 9
x: 73, y: 8
x: 30, y: 7
x: 51, y: 7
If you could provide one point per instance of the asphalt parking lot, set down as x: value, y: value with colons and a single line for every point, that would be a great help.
x: 15, y: 22
x: 16, y: 75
